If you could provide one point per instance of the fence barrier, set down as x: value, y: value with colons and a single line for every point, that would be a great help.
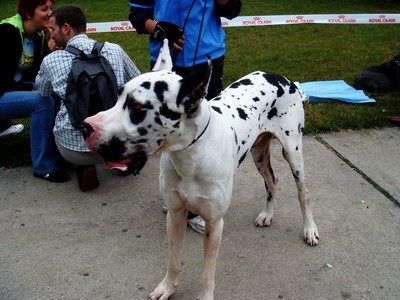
x: 243, y: 21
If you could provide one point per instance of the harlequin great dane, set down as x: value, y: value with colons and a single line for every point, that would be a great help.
x: 202, y: 144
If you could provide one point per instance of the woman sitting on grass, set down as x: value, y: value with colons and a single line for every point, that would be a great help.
x: 24, y: 46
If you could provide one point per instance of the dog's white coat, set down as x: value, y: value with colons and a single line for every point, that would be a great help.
x: 199, y: 176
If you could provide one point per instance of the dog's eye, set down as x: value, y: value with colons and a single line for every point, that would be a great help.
x: 137, y: 105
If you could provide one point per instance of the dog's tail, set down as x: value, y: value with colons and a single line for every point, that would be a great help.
x: 301, y: 92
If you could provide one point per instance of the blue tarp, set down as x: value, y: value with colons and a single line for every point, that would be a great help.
x: 325, y: 91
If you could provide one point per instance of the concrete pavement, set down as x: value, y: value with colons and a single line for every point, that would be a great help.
x: 59, y: 243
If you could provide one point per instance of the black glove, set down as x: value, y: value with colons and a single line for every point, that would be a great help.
x: 166, y: 30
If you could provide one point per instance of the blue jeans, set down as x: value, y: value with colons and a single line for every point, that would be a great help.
x: 21, y: 104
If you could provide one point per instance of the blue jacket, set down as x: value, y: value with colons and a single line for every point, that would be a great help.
x: 212, y: 37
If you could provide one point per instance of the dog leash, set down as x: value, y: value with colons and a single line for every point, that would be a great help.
x: 176, y: 53
x: 204, y: 130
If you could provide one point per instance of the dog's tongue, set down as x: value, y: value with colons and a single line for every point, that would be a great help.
x: 120, y: 165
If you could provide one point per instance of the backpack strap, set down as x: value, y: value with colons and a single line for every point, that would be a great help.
x: 74, y: 50
x: 97, y: 48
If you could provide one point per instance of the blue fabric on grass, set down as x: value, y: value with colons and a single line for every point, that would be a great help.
x: 326, y: 91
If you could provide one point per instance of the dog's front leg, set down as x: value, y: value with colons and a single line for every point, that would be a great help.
x: 176, y: 227
x: 212, y: 242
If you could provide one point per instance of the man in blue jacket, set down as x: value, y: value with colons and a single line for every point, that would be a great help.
x: 194, y: 31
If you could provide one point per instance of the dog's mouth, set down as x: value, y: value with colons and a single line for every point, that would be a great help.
x: 133, y: 163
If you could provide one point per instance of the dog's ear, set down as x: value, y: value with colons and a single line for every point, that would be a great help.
x: 164, y: 61
x: 194, y: 89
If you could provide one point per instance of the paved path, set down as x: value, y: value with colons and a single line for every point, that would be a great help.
x: 59, y: 243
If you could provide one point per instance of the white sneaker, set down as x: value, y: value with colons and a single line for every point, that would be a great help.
x: 197, y: 223
x: 11, y: 130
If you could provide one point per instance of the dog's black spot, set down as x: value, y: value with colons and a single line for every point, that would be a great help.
x: 300, y: 128
x: 158, y: 120
x: 269, y: 199
x: 216, y: 98
x: 273, y: 103
x: 293, y: 88
x: 262, y: 93
x: 296, y: 175
x: 142, y: 131
x: 235, y: 135
x: 287, y: 132
x: 228, y: 106
x: 217, y: 109
x: 112, y: 151
x: 169, y: 114
x: 278, y: 81
x: 137, y: 116
x: 176, y: 125
x: 159, y: 88
x: 136, y: 112
x: 242, y: 158
x: 235, y: 85
x: 272, y: 113
x: 146, y: 85
x: 242, y: 113
x: 256, y: 99
x: 141, y: 141
x: 159, y: 141
x: 297, y: 148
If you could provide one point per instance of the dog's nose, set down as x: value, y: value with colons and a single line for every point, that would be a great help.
x: 86, y: 130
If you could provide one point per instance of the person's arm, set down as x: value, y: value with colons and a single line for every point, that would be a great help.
x: 8, y: 60
x: 229, y: 9
x: 141, y: 17
x: 141, y: 11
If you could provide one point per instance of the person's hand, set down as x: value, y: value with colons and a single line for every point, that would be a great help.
x: 53, y: 45
x: 177, y: 46
x: 171, y: 32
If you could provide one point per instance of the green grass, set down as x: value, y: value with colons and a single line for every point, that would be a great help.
x: 307, y: 52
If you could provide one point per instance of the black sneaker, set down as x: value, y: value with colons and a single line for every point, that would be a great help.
x: 57, y: 176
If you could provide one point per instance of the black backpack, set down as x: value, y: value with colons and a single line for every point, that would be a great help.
x: 91, y: 86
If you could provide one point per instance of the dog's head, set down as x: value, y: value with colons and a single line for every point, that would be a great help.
x: 154, y: 111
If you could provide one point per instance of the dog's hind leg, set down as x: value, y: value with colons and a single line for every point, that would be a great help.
x: 261, y: 156
x: 293, y: 153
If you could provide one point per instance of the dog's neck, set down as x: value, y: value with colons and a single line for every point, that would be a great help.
x: 198, y: 137
x: 202, y: 122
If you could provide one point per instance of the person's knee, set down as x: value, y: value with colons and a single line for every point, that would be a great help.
x: 44, y: 104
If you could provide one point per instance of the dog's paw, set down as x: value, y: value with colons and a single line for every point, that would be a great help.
x: 264, y: 219
x: 163, y: 291
x: 311, y: 235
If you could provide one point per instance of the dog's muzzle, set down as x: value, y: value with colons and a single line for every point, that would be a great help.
x: 114, y: 152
